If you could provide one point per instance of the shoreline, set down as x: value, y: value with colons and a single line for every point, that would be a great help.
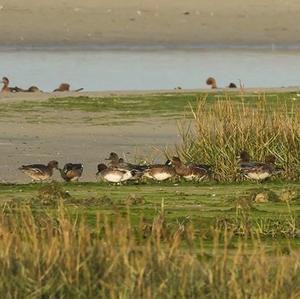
x: 44, y: 96
x: 149, y: 47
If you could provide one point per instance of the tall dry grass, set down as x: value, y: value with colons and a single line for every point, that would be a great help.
x: 46, y: 256
x: 223, y: 128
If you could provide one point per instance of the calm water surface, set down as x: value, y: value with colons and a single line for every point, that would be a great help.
x: 155, y: 69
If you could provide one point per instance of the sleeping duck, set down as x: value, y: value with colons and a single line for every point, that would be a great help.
x: 113, y: 174
x: 258, y: 171
x: 71, y: 172
x: 160, y: 172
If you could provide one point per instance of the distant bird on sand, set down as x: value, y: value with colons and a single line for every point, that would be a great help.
x: 232, y: 85
x: 213, y: 83
x: 6, y: 87
x: 66, y: 87
x: 30, y: 89
x: 39, y: 172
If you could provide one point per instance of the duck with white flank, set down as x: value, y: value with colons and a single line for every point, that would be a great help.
x: 39, y: 172
x: 258, y: 171
x: 191, y: 172
x: 113, y: 174
x: 71, y: 172
x: 119, y: 163
x: 160, y: 172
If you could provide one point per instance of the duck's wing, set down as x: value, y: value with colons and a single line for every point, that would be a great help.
x: 38, y: 169
x: 205, y: 166
x: 251, y: 165
x: 73, y: 166
x: 258, y: 168
x: 74, y: 173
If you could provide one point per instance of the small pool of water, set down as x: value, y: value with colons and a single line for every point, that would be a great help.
x: 149, y: 69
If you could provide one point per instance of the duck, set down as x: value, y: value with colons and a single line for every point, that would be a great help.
x: 259, y: 171
x: 66, y: 87
x: 232, y: 85
x: 114, y: 175
x: 39, y: 172
x: 190, y: 172
x: 116, y: 161
x: 30, y: 89
x: 160, y: 172
x: 71, y: 172
x: 6, y: 87
x: 212, y: 82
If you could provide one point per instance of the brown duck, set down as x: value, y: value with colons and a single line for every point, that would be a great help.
x: 192, y: 171
x: 6, y: 87
x: 39, y: 172
x: 30, y: 89
x: 212, y: 82
x: 66, y: 87
x: 116, y: 161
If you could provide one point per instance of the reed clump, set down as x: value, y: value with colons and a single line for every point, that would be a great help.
x: 47, y: 256
x: 225, y: 127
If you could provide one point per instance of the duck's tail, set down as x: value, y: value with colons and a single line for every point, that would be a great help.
x: 77, y: 90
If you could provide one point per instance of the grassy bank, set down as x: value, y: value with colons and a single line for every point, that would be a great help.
x: 206, y: 205
x: 115, y: 110
x: 151, y: 242
x: 226, y: 238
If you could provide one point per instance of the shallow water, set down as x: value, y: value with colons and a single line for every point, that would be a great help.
x: 149, y: 69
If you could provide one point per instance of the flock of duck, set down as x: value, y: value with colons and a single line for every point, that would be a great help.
x: 117, y: 170
x: 8, y: 89
x: 211, y: 81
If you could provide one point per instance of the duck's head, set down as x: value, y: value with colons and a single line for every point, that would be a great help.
x: 121, y: 160
x: 244, y: 156
x: 176, y: 161
x: 64, y: 86
x: 101, y: 167
x: 53, y: 164
x: 232, y: 85
x: 211, y: 81
x: 270, y: 159
x: 113, y: 157
x: 5, y: 80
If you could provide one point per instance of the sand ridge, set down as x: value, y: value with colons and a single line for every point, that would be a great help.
x: 160, y: 22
